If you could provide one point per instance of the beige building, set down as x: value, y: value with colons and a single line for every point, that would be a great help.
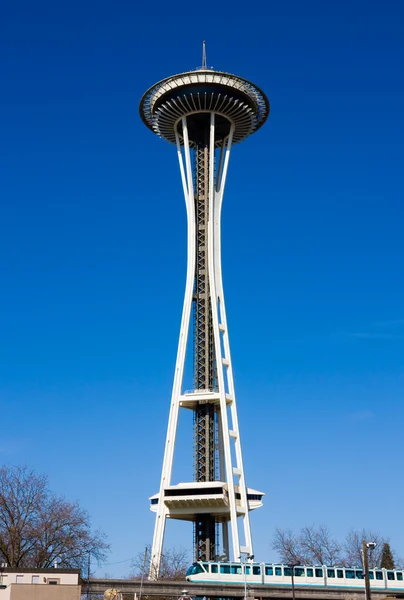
x: 39, y: 584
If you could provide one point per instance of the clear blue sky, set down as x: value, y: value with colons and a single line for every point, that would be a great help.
x: 92, y: 247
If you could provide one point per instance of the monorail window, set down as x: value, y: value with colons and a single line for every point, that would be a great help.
x: 379, y: 575
x: 299, y: 572
x: 309, y: 572
x: 269, y: 571
x: 195, y: 569
x: 319, y: 572
x: 247, y: 570
x: 331, y: 573
x: 349, y: 574
x: 287, y: 571
x: 256, y: 570
x: 359, y: 574
x: 278, y: 571
x: 340, y: 573
x: 390, y: 575
x: 371, y: 575
x: 225, y: 569
x: 399, y: 576
x: 213, y: 568
x: 236, y: 569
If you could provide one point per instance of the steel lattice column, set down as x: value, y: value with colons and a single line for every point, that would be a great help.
x: 205, y: 421
x: 205, y: 536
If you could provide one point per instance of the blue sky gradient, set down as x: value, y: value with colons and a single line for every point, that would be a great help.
x: 93, y: 256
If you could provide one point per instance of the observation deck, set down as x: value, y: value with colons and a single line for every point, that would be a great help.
x: 195, y: 94
x: 186, y: 500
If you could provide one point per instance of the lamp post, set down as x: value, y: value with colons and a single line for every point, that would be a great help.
x: 143, y: 570
x: 88, y: 573
x: 292, y: 574
x: 365, y: 547
x: 248, y: 558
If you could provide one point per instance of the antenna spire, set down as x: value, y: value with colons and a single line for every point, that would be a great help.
x: 204, y: 55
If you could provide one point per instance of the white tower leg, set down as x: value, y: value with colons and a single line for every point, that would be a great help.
x: 162, y: 512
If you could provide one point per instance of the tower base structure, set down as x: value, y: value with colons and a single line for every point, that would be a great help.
x: 204, y: 113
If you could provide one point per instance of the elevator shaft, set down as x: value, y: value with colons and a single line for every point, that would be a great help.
x: 205, y: 378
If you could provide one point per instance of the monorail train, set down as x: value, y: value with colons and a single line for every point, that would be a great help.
x: 303, y: 576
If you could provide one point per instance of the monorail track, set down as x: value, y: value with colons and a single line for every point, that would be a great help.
x: 176, y: 589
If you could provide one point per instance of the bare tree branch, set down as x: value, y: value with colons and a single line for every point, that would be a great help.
x: 288, y: 546
x: 316, y: 546
x: 174, y: 564
x: 353, y: 548
x: 38, y: 528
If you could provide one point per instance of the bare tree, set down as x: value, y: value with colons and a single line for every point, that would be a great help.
x: 353, y: 548
x: 38, y: 528
x: 288, y: 547
x: 316, y: 546
x: 311, y: 546
x: 174, y: 564
x: 319, y: 547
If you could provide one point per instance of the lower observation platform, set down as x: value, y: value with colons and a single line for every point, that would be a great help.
x: 186, y: 500
x: 193, y: 398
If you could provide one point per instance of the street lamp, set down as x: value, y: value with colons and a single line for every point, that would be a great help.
x: 365, y: 547
x: 143, y: 570
x: 249, y: 558
x: 184, y: 595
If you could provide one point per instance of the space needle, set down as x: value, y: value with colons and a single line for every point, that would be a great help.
x: 204, y: 113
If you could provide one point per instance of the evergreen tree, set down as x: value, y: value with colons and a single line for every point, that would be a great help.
x: 387, y: 561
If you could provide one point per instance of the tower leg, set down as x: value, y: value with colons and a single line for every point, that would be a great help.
x: 225, y: 539
x: 161, y: 516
